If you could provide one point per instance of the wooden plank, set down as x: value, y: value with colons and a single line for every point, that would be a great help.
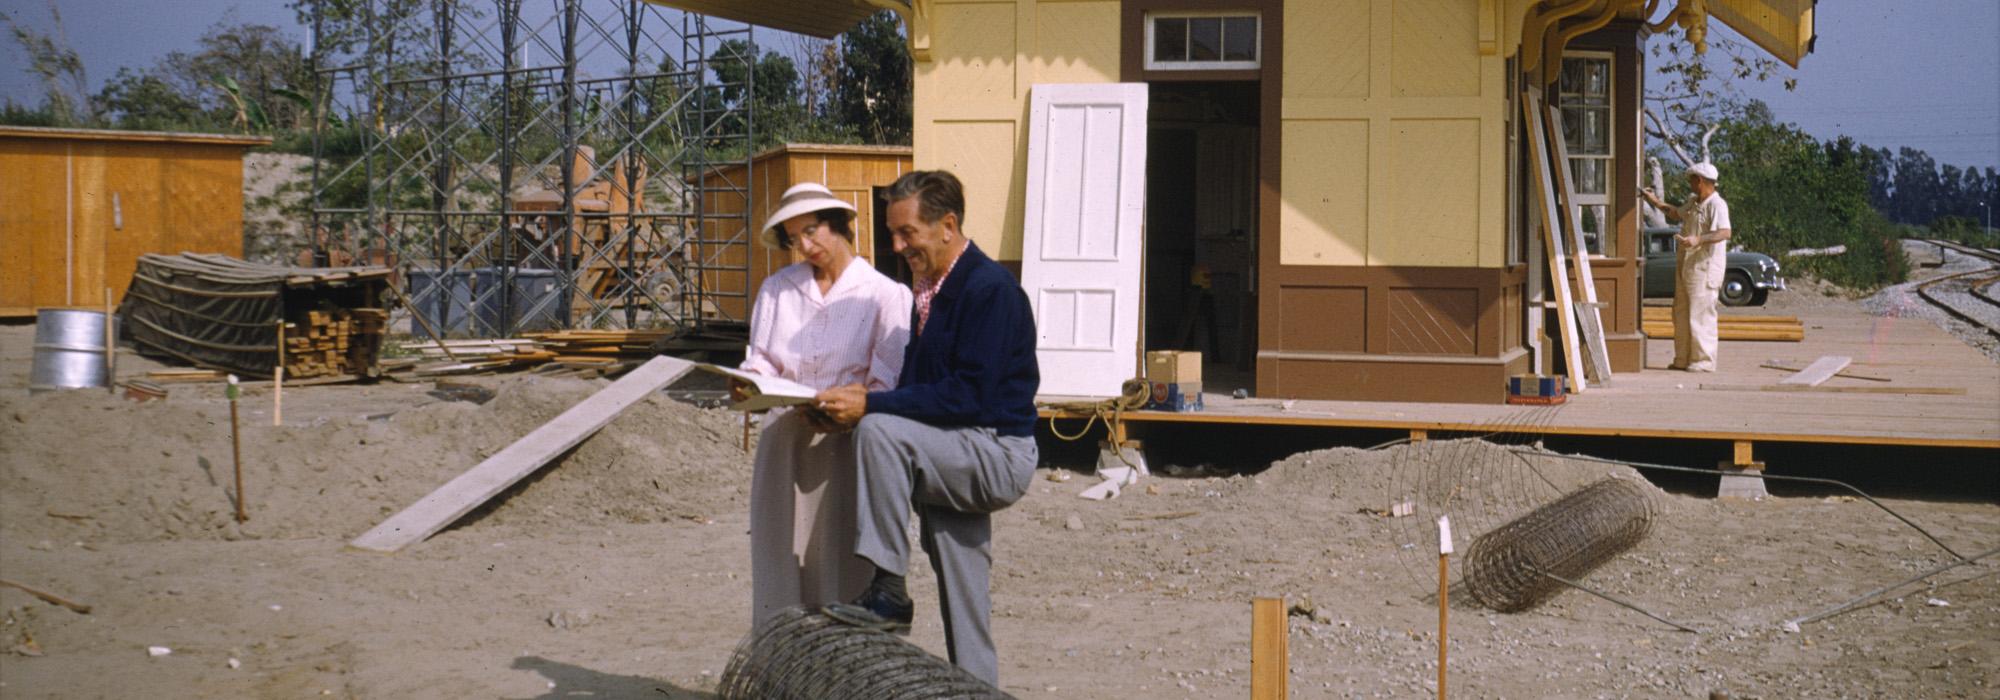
x: 1819, y: 371
x: 1552, y: 241
x: 1930, y: 390
x: 1270, y: 636
x: 1842, y: 373
x: 1744, y: 450
x: 474, y: 487
x: 1587, y: 311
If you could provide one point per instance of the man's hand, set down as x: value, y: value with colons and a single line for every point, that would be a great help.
x: 843, y: 404
x: 739, y: 390
x: 1688, y: 241
x: 818, y: 422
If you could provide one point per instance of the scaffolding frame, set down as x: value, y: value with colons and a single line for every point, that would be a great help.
x: 468, y: 144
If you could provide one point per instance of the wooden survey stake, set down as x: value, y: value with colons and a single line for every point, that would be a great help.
x: 1270, y: 663
x: 278, y: 380
x: 1444, y: 594
x: 236, y: 450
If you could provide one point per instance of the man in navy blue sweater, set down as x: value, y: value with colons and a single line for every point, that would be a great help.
x: 956, y: 438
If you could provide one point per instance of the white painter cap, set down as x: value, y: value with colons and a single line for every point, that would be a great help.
x: 1706, y: 170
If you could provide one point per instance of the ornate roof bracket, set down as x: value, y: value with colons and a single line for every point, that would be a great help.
x: 1600, y: 14
x: 1535, y: 28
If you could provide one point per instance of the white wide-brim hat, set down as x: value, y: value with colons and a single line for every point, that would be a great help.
x: 802, y: 198
x: 1705, y: 169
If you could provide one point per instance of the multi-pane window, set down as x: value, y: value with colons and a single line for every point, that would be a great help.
x: 1202, y: 41
x: 1585, y: 100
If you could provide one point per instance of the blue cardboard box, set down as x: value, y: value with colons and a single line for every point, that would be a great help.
x: 1179, y: 397
x: 1534, y: 386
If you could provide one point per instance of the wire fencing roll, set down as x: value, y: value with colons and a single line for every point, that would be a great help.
x: 1512, y: 567
x: 801, y: 654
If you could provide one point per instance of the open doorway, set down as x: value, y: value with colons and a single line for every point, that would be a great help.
x: 1201, y: 226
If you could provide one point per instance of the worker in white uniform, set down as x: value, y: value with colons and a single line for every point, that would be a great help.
x: 1701, y: 263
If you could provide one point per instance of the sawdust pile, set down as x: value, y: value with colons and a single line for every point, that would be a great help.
x: 104, y: 469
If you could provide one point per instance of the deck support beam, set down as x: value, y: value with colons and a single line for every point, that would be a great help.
x: 1743, y: 475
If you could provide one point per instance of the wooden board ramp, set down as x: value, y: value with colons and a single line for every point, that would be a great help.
x: 481, y: 483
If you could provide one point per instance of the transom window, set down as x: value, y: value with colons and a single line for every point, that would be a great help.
x: 1585, y: 100
x: 1203, y: 41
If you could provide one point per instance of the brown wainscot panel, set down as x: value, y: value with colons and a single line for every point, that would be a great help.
x: 1323, y: 319
x: 1431, y: 334
x: 1386, y: 378
x: 1433, y: 321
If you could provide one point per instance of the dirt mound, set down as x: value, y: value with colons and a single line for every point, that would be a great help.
x: 105, y: 469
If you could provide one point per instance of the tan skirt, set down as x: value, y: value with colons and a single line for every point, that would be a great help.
x: 802, y: 519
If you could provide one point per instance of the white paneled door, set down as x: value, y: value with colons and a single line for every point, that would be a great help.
x: 1086, y: 205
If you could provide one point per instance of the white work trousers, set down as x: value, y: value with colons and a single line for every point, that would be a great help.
x: 1699, y: 280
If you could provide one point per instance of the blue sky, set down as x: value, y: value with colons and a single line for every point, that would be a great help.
x: 1921, y: 73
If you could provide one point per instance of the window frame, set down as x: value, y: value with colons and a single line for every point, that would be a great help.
x: 1150, y: 23
x: 1606, y: 233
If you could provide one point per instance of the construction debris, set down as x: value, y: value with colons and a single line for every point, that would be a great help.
x: 1658, y: 323
x: 1513, y: 568
x: 336, y: 342
x: 218, y: 312
x: 801, y: 654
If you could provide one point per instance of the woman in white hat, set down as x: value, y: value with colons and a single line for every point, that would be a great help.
x: 829, y: 321
x: 1701, y: 264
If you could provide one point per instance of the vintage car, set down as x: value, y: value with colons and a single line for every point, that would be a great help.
x: 1750, y: 280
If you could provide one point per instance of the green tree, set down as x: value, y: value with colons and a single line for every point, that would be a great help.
x: 66, y: 95
x: 1786, y: 190
x: 144, y: 101
x: 873, y: 95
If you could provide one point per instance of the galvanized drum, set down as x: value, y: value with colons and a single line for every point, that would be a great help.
x: 69, y: 350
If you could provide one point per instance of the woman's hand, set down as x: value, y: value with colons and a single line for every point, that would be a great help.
x: 739, y: 390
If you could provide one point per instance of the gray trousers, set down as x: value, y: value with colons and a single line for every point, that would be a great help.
x: 955, y: 478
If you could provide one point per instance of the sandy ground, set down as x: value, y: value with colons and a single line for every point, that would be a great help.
x: 621, y: 571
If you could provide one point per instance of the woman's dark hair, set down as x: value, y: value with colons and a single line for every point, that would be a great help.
x: 938, y: 192
x: 836, y: 219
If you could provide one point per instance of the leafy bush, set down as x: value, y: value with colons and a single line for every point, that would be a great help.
x: 1785, y: 191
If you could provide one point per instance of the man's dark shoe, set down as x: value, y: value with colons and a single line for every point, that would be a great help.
x: 876, y: 609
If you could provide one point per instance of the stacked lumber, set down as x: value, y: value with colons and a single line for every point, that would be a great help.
x: 466, y: 349
x: 1658, y: 322
x: 335, y: 342
x: 606, y: 346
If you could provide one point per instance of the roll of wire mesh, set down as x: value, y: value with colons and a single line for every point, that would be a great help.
x: 1567, y: 538
x: 802, y: 654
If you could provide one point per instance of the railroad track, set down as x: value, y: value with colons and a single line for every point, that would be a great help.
x: 1978, y: 286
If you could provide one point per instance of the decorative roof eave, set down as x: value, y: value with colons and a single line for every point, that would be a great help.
x: 1782, y: 28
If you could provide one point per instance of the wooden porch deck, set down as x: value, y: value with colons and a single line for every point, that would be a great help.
x: 1660, y: 403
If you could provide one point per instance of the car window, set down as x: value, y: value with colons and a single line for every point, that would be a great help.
x: 1658, y: 243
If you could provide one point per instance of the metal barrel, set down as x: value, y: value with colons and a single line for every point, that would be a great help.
x: 69, y: 350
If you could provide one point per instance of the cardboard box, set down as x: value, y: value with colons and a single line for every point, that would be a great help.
x: 1173, y: 366
x: 1179, y: 397
x: 1534, y: 386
